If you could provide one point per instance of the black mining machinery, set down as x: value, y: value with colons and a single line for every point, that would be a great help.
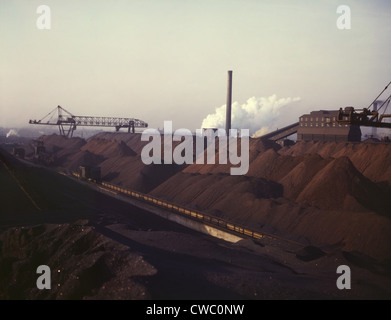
x: 41, y: 156
x: 67, y: 122
x: 337, y: 125
x: 366, y: 116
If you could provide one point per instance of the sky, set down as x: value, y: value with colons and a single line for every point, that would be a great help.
x: 160, y: 60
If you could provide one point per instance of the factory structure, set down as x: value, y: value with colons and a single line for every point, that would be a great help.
x: 323, y: 125
x: 341, y: 125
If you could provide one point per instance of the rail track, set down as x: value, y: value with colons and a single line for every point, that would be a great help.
x: 190, y: 213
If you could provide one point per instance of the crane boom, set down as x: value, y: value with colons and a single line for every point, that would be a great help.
x: 67, y: 122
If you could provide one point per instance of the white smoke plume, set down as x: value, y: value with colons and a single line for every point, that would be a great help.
x: 12, y: 132
x: 258, y: 114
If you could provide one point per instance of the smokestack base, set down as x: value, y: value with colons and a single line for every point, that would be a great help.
x: 229, y: 103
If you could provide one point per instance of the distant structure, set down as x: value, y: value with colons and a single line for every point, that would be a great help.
x: 41, y: 156
x: 337, y: 125
x: 67, y: 122
x: 90, y: 173
x: 39, y: 147
x: 18, y: 152
x: 323, y: 125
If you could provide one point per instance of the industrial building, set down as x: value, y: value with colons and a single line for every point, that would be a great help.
x: 323, y: 125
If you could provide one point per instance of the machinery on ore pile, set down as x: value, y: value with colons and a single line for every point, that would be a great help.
x: 366, y: 116
x: 89, y: 173
x: 41, y: 156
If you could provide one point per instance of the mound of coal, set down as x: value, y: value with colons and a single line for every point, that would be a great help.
x: 309, y: 253
x: 84, y: 264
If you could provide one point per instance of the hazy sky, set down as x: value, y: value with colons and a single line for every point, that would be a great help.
x: 168, y: 59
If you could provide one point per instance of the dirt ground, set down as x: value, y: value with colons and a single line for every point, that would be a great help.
x: 116, y: 262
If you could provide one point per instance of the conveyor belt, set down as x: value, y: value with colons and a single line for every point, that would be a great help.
x: 281, y: 133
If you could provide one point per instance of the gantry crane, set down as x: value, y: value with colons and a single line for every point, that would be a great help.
x: 67, y: 122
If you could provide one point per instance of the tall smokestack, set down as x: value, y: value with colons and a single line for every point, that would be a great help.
x: 229, y: 103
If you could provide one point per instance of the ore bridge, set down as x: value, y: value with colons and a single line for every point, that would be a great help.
x: 67, y: 122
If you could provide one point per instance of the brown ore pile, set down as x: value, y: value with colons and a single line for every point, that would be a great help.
x: 332, y: 196
x: 314, y: 192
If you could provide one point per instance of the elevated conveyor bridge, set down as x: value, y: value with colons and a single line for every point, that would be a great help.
x: 281, y: 133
